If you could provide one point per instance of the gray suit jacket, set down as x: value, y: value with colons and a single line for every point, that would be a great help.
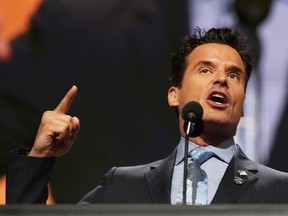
x: 150, y: 183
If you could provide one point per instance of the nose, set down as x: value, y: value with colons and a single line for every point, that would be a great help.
x: 220, y: 78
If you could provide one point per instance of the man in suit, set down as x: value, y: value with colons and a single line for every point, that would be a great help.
x: 212, y: 68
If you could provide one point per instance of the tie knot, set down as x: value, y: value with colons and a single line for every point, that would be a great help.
x: 201, y: 154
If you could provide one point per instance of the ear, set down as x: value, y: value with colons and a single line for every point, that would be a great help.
x: 173, y: 96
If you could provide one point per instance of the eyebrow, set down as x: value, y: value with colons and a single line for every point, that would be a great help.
x: 204, y: 63
x: 235, y: 69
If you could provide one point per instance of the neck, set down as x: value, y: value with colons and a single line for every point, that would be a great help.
x: 213, y: 133
x: 206, y: 140
x: 213, y: 136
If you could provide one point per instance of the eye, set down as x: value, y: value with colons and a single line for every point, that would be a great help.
x: 233, y: 76
x: 205, y: 71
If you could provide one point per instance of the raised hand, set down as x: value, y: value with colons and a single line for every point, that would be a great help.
x: 57, y: 131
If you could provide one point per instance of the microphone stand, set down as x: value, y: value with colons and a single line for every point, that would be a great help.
x: 184, y: 192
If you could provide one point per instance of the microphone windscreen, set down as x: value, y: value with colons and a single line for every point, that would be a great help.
x: 194, y: 108
x: 193, y: 112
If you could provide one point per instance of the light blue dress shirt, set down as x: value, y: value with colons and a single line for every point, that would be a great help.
x: 215, y: 167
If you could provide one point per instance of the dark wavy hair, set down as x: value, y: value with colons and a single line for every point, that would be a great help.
x: 227, y: 36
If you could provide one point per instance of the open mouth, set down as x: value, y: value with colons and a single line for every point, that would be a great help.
x: 218, y: 99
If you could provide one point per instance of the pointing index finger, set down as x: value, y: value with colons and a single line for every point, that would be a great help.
x: 66, y: 102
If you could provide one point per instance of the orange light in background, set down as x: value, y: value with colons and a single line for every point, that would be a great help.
x: 15, y: 16
x: 2, y: 190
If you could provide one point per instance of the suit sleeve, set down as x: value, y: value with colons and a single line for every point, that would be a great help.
x: 27, y: 178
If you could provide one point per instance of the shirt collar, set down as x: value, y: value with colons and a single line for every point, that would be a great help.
x: 224, y: 150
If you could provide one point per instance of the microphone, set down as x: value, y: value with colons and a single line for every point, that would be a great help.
x: 192, y: 113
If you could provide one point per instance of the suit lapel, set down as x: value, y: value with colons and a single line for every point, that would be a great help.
x: 159, y: 179
x: 228, y: 190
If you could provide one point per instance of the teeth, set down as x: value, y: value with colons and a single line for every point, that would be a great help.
x: 218, y: 95
x: 218, y: 98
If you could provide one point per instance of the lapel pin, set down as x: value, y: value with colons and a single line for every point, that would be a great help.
x: 240, y: 177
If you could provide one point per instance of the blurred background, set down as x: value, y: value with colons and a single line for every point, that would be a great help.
x: 118, y: 54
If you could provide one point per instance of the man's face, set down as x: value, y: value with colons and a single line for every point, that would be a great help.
x: 215, y: 77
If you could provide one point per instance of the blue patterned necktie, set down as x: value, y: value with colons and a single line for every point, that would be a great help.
x: 197, y: 181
